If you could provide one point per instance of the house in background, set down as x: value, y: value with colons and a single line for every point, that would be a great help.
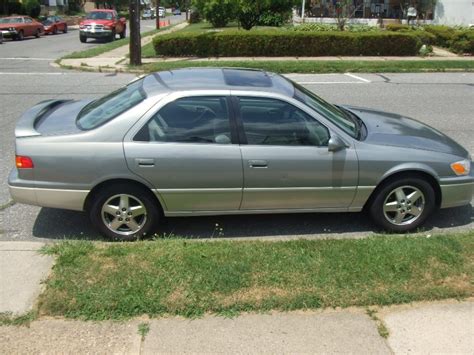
x: 454, y: 12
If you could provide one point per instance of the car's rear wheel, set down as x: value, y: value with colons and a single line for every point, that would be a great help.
x: 38, y: 33
x: 65, y: 29
x: 83, y: 39
x: 403, y: 205
x: 125, y: 213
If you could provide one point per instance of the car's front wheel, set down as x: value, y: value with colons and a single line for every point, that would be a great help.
x: 83, y: 39
x: 404, y: 204
x: 125, y: 213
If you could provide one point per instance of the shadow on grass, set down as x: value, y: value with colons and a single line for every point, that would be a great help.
x: 61, y: 224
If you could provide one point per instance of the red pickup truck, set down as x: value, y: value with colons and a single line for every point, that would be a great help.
x: 102, y: 24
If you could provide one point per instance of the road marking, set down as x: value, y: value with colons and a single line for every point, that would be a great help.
x: 357, y: 77
x: 328, y: 82
x: 24, y: 58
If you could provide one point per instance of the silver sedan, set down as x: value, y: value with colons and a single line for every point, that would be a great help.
x: 231, y: 141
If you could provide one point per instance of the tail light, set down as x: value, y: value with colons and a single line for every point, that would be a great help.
x: 23, y: 162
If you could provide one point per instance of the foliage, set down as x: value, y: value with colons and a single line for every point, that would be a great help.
x: 195, y: 16
x: 32, y: 8
x: 269, y: 18
x: 444, y: 34
x: 323, y: 27
x: 398, y: 27
x: 286, y: 43
x: 463, y: 42
x: 217, y: 12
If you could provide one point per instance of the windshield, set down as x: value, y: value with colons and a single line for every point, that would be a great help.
x: 103, y: 110
x: 331, y: 112
x: 99, y: 15
x: 11, y: 20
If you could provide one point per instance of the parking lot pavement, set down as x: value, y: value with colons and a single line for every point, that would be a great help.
x: 442, y: 100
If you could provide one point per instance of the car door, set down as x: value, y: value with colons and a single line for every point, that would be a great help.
x: 286, y: 161
x: 185, y: 150
x: 30, y: 29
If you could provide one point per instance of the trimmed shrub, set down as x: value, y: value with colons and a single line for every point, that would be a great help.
x: 286, y: 43
x: 462, y: 42
x: 395, y: 27
x: 443, y: 34
x: 269, y: 18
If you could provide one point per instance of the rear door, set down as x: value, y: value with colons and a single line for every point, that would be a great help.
x: 286, y: 161
x: 185, y: 149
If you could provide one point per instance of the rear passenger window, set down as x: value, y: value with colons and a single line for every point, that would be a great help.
x: 189, y: 120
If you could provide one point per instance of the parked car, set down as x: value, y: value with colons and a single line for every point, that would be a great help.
x: 161, y: 12
x: 197, y: 142
x: 148, y: 14
x: 19, y: 27
x: 176, y: 12
x: 1, y: 37
x: 53, y: 24
x: 103, y: 24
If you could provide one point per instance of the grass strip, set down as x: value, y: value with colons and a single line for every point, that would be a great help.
x: 181, y: 277
x: 324, y: 66
x: 106, y: 47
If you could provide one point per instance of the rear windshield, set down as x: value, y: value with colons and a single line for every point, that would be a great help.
x: 108, y: 107
x: 99, y: 15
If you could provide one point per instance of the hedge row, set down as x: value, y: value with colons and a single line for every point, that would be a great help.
x: 286, y: 43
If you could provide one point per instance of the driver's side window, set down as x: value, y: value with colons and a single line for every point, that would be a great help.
x: 189, y: 120
x: 275, y: 122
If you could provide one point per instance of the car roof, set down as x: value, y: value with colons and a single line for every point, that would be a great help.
x: 190, y: 79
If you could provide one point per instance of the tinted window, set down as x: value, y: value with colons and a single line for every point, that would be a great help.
x: 274, y: 122
x: 100, y: 111
x: 190, y: 120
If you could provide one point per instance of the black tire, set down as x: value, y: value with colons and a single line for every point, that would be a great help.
x: 123, y: 34
x: 65, y: 29
x: 38, y: 33
x: 83, y: 39
x: 20, y: 36
x: 412, y: 213
x: 108, y: 224
x: 112, y: 36
x: 55, y: 30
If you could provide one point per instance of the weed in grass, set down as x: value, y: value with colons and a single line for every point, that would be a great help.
x: 143, y: 329
x: 381, y: 327
x: 8, y: 319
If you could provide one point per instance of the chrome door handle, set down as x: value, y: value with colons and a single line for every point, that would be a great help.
x: 258, y: 163
x: 146, y: 163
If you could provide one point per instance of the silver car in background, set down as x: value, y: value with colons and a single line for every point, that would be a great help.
x: 214, y: 141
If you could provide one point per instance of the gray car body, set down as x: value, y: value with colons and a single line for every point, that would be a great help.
x: 211, y: 179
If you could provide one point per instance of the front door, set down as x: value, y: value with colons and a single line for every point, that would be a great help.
x: 185, y: 150
x: 286, y: 161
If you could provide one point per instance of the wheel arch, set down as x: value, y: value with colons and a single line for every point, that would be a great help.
x: 117, y: 181
x: 426, y: 175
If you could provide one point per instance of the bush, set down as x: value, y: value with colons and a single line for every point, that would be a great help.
x: 286, y: 43
x: 395, y: 27
x: 32, y: 8
x: 16, y: 8
x: 443, y: 34
x: 462, y: 42
x: 269, y: 18
x: 195, y: 16
x: 324, y: 27
x: 219, y: 12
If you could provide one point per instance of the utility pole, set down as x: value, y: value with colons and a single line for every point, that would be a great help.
x: 302, y: 11
x: 135, y: 38
x: 157, y: 14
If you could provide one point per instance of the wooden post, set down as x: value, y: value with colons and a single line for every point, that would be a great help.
x: 157, y: 14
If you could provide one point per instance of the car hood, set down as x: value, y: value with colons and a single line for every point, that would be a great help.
x: 61, y: 119
x: 391, y: 129
x: 97, y: 22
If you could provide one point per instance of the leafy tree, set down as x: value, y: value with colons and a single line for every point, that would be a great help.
x: 32, y: 8
x: 217, y: 12
x: 343, y: 11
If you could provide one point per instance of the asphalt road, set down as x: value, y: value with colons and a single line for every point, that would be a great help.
x: 444, y: 101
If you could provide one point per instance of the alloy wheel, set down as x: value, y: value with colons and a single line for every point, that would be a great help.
x: 404, y: 205
x: 124, y: 214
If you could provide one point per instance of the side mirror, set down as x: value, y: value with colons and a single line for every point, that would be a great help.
x: 336, y: 143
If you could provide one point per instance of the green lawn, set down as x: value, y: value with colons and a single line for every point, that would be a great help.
x: 324, y: 66
x: 181, y: 277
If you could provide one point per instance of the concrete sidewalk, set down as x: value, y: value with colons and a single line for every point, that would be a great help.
x: 441, y: 327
